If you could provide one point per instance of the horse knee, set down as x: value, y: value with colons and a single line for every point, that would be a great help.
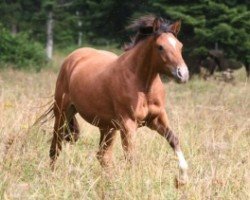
x: 160, y: 124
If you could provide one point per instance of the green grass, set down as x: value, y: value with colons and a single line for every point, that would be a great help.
x: 211, y: 117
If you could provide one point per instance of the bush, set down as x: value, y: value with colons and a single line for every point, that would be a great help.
x: 20, y: 51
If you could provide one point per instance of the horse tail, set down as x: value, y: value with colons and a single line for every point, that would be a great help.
x: 46, y: 116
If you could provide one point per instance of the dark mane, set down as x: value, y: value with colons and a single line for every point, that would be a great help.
x: 144, y: 28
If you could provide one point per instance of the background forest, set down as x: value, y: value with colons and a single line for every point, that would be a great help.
x: 28, y: 27
x: 211, y: 118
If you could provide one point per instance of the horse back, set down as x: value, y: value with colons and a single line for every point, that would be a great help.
x: 82, y: 57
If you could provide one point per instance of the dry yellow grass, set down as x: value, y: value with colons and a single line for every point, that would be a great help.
x: 212, y: 119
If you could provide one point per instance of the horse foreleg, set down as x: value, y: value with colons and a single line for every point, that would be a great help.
x: 128, y: 139
x: 160, y: 124
x: 105, y: 153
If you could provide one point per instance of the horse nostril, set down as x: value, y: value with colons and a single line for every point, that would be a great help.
x: 179, y: 72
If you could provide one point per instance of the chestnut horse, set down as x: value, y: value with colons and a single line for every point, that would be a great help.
x: 120, y: 92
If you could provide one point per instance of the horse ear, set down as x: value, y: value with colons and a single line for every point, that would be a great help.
x: 156, y: 24
x: 175, y: 27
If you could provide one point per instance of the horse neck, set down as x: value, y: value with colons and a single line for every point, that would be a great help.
x: 140, y: 61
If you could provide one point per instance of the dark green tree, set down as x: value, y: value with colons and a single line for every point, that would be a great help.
x: 212, y: 24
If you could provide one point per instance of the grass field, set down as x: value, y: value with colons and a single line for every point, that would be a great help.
x: 211, y: 117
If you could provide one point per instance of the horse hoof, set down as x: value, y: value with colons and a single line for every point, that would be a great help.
x: 180, y: 181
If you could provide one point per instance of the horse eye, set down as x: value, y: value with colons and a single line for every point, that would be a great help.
x: 160, y: 48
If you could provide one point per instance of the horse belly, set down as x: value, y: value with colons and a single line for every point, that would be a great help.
x: 93, y: 107
x: 96, y: 119
x: 93, y: 111
x: 91, y: 100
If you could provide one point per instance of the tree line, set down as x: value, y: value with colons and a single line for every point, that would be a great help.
x: 206, y: 24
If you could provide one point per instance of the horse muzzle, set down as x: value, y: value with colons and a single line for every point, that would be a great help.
x: 181, y: 74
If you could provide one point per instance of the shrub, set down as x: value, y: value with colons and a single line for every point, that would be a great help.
x: 20, y: 51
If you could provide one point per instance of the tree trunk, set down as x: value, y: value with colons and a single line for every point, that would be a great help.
x: 79, y: 38
x: 14, y: 28
x: 79, y: 23
x: 49, y: 45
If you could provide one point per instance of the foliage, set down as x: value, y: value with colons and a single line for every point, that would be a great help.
x: 20, y: 51
x: 206, y: 24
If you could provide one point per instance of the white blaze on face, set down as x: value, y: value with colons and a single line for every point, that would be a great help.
x: 172, y: 42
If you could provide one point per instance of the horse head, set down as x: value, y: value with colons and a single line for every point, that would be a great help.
x: 166, y: 49
x: 169, y: 49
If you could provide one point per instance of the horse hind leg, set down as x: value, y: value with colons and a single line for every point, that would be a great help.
x: 60, y: 106
x: 72, y: 132
x: 65, y: 127
x: 56, y: 144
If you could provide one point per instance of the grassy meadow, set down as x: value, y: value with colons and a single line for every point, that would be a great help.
x: 211, y: 117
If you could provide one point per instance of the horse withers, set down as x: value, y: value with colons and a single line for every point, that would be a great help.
x: 121, y: 92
